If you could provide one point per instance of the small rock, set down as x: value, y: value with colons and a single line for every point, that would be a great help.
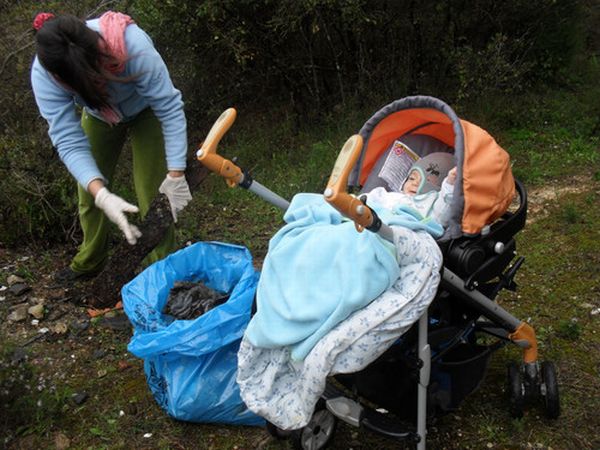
x: 79, y: 325
x: 37, y: 311
x: 18, y: 314
x: 61, y: 442
x: 56, y: 294
x: 79, y: 397
x: 18, y: 289
x: 595, y: 311
x: 99, y: 353
x: 102, y: 373
x: 54, y: 312
x: 60, y: 328
x: 14, y: 279
x: 35, y: 322
x: 118, y: 323
x: 19, y: 355
x: 23, y: 304
x: 147, y: 435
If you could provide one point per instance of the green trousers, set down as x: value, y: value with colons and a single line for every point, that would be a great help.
x: 149, y: 170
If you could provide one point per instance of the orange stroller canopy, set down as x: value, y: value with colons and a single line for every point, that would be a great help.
x: 485, y: 186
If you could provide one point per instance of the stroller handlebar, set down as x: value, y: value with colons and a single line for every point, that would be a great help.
x: 335, y: 192
x: 207, y: 154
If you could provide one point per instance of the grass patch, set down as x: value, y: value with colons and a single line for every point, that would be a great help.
x: 549, y: 135
x: 569, y: 330
x: 24, y: 391
x: 570, y: 214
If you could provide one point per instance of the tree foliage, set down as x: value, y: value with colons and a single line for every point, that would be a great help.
x: 305, y: 56
x: 317, y: 53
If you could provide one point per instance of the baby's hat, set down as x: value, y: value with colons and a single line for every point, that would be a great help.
x: 433, y: 169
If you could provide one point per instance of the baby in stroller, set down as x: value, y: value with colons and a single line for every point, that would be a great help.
x: 428, y: 188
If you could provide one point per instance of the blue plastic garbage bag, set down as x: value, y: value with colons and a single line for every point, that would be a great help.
x: 191, y: 365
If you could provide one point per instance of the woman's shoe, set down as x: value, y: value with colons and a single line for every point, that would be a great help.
x: 68, y: 276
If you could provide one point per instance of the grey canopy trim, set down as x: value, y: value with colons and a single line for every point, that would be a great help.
x: 422, y: 102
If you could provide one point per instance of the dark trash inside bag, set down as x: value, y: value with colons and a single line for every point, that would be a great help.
x: 188, y: 300
x: 191, y: 365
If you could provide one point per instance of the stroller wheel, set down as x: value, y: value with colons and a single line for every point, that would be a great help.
x: 515, y: 391
x: 277, y: 432
x: 550, y: 390
x: 318, y: 433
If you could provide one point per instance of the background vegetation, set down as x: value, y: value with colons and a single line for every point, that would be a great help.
x: 305, y: 75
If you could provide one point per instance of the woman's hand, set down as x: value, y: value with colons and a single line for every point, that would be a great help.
x: 115, y: 208
x: 176, y: 188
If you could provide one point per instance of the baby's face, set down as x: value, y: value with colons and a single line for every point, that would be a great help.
x: 411, y: 185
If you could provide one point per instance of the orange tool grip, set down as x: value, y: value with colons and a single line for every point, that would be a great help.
x: 207, y: 154
x: 216, y: 163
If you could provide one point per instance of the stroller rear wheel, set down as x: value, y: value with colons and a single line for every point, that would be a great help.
x: 318, y: 433
x: 515, y: 391
x: 550, y: 390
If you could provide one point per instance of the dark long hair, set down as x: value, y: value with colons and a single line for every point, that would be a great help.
x: 69, y: 50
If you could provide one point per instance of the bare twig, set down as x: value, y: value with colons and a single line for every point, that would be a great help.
x: 36, y: 191
x: 336, y: 60
x: 99, y: 7
x: 33, y: 339
x: 13, y: 54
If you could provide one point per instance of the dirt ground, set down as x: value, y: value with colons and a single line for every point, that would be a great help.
x: 68, y: 381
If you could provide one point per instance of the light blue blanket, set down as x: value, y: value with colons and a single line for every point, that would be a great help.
x: 318, y: 270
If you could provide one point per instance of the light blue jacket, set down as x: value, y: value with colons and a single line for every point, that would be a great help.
x: 152, y: 87
x: 433, y: 204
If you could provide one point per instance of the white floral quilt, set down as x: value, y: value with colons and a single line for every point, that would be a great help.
x: 285, y: 392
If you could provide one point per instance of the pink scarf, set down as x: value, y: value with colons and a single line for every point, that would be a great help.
x: 112, y: 29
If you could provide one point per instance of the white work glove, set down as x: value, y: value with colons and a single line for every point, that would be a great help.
x: 115, y: 208
x: 177, y: 191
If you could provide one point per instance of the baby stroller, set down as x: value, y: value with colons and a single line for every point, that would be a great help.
x: 430, y: 369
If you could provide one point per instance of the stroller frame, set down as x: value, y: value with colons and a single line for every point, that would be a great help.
x: 529, y: 381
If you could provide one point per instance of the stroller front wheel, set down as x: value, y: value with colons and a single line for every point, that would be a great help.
x: 318, y: 433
